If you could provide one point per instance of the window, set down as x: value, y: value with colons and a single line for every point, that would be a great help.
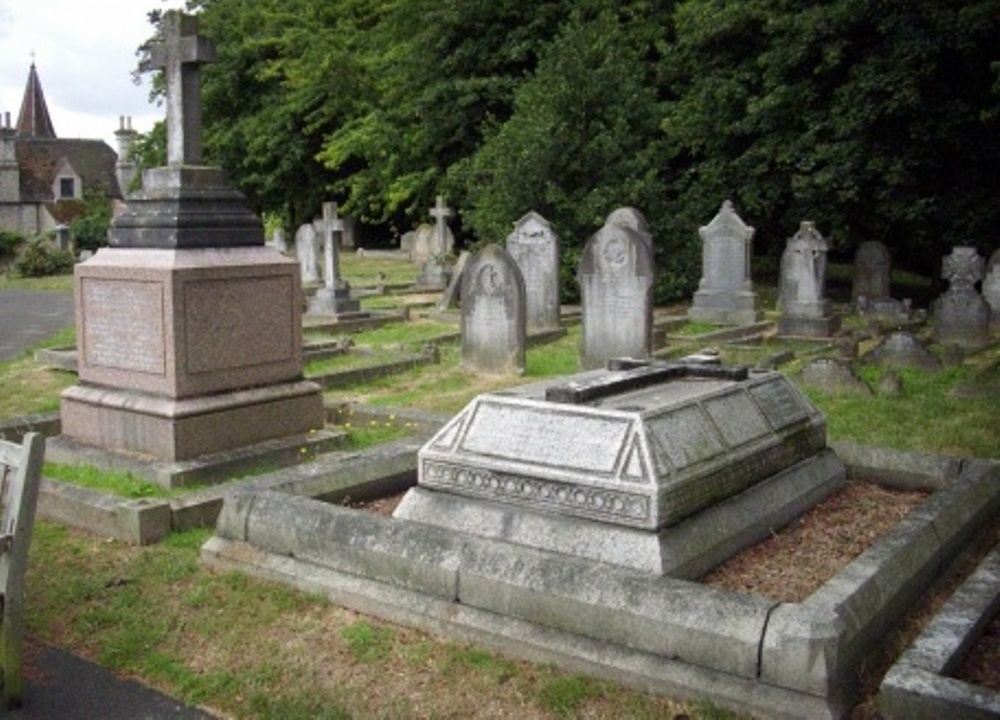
x: 67, y: 187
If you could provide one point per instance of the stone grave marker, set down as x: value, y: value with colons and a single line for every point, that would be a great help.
x: 278, y: 240
x: 725, y: 293
x: 961, y: 315
x: 452, y: 295
x: 805, y: 311
x: 493, y: 314
x: 633, y: 219
x: 435, y: 272
x: 334, y: 298
x: 307, y: 254
x: 20, y: 478
x: 991, y: 289
x: 189, y: 333
x: 833, y: 375
x: 616, y: 284
x: 535, y: 248
x: 902, y: 350
x: 872, y: 272
x: 422, y: 244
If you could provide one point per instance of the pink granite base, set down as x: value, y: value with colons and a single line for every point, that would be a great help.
x: 184, y: 323
x: 127, y: 421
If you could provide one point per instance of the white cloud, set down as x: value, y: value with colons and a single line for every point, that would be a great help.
x: 84, y: 52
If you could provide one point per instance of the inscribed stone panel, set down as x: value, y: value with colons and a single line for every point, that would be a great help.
x: 513, y: 433
x: 737, y: 418
x: 123, y: 325
x: 238, y: 323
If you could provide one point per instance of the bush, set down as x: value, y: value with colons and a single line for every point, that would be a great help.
x: 39, y: 258
x: 9, y: 242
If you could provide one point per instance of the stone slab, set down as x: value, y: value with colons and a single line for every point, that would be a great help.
x: 654, y: 455
x: 136, y: 521
x: 183, y: 429
x: 207, y: 468
x: 685, y: 550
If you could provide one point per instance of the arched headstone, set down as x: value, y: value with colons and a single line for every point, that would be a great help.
x: 616, y: 284
x: 534, y: 246
x: 493, y: 314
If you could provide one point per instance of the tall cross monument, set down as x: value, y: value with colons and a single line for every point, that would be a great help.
x: 180, y: 55
x: 189, y: 333
x: 334, y: 298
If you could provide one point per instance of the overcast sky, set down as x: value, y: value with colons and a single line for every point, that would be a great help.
x: 84, y: 52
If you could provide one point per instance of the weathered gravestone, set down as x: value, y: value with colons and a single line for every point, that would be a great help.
x: 961, y: 315
x: 872, y: 285
x: 189, y: 331
x: 833, y: 375
x: 991, y: 288
x: 334, y: 298
x: 452, y: 294
x: 902, y: 350
x: 725, y: 293
x: 435, y: 271
x: 306, y: 252
x: 535, y: 248
x: 616, y: 284
x: 20, y: 477
x: 872, y: 272
x: 609, y: 464
x: 493, y: 314
x: 804, y: 308
x: 278, y: 240
x: 632, y: 219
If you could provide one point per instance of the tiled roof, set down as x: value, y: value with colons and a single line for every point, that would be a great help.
x: 40, y: 160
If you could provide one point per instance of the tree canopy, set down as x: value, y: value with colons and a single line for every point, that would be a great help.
x: 877, y: 120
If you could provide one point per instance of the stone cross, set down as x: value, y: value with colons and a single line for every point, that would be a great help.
x: 441, y: 212
x: 331, y: 260
x: 180, y: 55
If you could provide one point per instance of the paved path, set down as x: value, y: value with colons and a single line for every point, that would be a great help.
x: 29, y: 316
x: 61, y: 686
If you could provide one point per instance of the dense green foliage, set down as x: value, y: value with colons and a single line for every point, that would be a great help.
x: 40, y: 257
x: 90, y: 230
x: 877, y: 120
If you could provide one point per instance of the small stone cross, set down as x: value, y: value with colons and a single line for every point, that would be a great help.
x: 331, y: 262
x: 180, y: 55
x: 441, y: 213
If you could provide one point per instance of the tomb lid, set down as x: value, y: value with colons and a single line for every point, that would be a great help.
x: 644, y: 455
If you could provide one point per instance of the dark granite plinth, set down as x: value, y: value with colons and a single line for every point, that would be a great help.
x: 186, y: 207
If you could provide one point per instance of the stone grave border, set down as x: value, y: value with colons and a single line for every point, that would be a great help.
x: 660, y: 634
x: 789, y: 658
x: 141, y: 521
x: 918, y: 685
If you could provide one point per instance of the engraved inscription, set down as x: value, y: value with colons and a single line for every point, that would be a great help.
x: 737, y: 418
x: 598, y: 503
x: 685, y: 435
x: 241, y: 322
x: 514, y: 433
x: 123, y: 325
x: 780, y: 404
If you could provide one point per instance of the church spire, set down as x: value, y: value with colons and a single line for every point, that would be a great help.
x: 34, y: 120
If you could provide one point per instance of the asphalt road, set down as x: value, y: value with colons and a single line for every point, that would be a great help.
x: 29, y: 316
